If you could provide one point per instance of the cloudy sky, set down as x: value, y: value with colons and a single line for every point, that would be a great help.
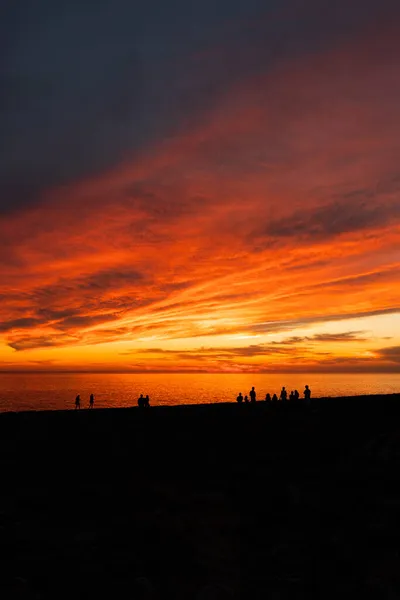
x: 208, y: 186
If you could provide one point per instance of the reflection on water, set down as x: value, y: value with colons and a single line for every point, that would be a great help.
x: 57, y: 391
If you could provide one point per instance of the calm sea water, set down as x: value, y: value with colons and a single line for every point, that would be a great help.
x: 41, y: 391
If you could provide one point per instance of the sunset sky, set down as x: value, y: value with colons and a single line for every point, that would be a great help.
x: 200, y: 186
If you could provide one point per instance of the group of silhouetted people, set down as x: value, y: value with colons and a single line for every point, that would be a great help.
x: 294, y: 396
x: 143, y: 401
x: 78, y: 402
x: 252, y: 395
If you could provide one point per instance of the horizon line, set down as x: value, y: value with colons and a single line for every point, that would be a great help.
x: 361, y: 371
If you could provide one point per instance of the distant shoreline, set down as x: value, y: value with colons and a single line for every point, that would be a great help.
x: 319, y: 402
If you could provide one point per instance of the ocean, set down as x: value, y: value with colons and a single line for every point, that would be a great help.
x: 57, y: 391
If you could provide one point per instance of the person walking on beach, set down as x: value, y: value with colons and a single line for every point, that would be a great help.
x: 239, y: 398
x: 252, y: 394
x: 77, y: 402
x: 91, y: 401
x: 283, y: 394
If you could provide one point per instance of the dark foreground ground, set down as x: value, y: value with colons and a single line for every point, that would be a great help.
x: 203, y: 502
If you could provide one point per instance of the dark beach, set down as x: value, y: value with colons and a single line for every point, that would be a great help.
x: 203, y: 501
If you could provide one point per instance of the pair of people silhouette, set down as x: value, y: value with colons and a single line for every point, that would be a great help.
x: 143, y: 401
x: 252, y: 395
x: 78, y: 402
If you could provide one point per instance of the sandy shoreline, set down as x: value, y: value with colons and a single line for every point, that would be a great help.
x: 254, y: 500
x: 320, y: 402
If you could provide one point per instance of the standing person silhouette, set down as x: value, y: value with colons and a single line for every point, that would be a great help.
x: 307, y: 395
x: 239, y: 398
x: 252, y: 394
x: 77, y: 402
x: 283, y: 394
x: 91, y: 401
x: 267, y: 397
x: 140, y: 401
x: 147, y: 401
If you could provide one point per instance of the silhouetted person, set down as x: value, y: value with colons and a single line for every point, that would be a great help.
x: 291, y: 396
x: 246, y: 399
x: 77, y: 402
x: 307, y: 395
x: 267, y: 397
x: 91, y: 401
x: 147, y: 401
x: 283, y: 394
x: 274, y: 398
x: 296, y: 395
x: 239, y: 398
x: 140, y: 401
x: 252, y: 394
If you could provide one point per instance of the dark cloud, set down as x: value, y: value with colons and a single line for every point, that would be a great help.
x: 84, y: 87
x: 83, y: 321
x: 22, y: 323
x: 348, y: 336
x: 111, y: 279
x: 331, y: 220
x: 31, y: 342
x: 391, y: 354
x: 46, y: 301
